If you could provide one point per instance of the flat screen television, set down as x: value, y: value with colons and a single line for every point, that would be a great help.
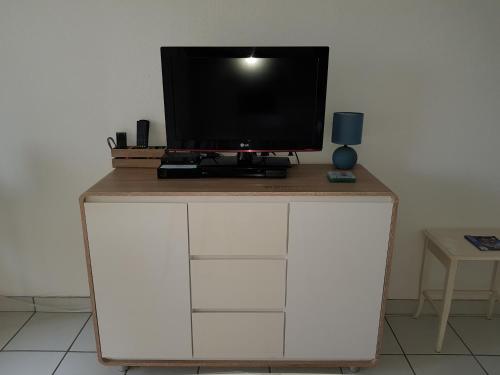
x: 244, y: 99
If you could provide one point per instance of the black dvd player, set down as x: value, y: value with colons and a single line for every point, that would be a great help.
x: 179, y: 165
x: 178, y: 171
x: 227, y: 166
x: 231, y: 166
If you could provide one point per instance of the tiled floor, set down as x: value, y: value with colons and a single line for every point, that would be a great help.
x: 45, y: 343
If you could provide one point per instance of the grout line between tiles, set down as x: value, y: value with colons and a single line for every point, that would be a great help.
x: 79, y: 332
x: 467, y: 346
x: 74, y: 340
x: 400, y: 346
x: 32, y: 351
x: 15, y: 334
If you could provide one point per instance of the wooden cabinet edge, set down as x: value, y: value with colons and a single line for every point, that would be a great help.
x: 390, y: 252
x: 90, y: 278
x: 210, y: 194
x: 239, y: 363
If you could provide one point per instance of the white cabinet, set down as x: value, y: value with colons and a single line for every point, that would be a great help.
x: 337, y: 254
x: 140, y: 272
x: 282, y: 272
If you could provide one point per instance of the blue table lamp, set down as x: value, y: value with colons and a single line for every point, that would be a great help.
x: 347, y: 129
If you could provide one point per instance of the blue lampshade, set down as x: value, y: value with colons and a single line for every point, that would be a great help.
x: 347, y: 128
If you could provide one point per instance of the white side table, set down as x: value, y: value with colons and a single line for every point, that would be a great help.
x: 449, y: 246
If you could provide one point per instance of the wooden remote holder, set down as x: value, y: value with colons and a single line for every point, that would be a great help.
x: 137, y: 157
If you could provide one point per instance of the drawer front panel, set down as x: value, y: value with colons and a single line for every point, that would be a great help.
x: 238, y: 284
x: 238, y: 228
x: 238, y: 335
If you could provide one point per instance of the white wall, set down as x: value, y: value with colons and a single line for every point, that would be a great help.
x: 425, y: 72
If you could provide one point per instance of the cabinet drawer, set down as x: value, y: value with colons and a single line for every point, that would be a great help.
x: 238, y: 228
x: 238, y: 284
x: 238, y: 335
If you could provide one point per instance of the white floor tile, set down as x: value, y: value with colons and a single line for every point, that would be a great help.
x: 85, y: 341
x: 445, y: 365
x: 418, y: 336
x: 389, y: 343
x: 481, y: 335
x: 387, y: 365
x: 306, y: 370
x: 49, y: 331
x: 162, y: 370
x: 85, y: 364
x: 491, y: 364
x: 224, y: 370
x: 28, y: 363
x: 10, y: 322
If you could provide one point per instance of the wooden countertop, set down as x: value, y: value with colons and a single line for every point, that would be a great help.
x: 305, y: 179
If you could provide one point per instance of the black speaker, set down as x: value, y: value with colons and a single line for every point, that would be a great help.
x: 121, y: 140
x: 142, y: 133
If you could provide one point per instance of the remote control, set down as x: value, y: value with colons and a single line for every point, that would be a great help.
x: 142, y: 133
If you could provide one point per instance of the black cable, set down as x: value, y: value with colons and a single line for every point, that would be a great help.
x: 297, y: 156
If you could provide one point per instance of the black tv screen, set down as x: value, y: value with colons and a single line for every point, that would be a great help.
x: 244, y: 98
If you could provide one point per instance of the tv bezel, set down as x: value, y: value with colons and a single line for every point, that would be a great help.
x: 241, y: 145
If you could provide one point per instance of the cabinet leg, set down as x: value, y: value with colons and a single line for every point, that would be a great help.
x: 353, y: 370
x: 124, y: 368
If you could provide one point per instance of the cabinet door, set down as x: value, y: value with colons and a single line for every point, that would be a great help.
x: 337, y: 254
x: 139, y: 257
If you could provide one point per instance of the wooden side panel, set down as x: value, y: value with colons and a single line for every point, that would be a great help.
x: 238, y: 284
x: 238, y: 335
x: 140, y: 266
x: 336, y: 265
x: 238, y: 228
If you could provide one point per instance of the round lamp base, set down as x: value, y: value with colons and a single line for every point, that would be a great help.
x: 344, y: 157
